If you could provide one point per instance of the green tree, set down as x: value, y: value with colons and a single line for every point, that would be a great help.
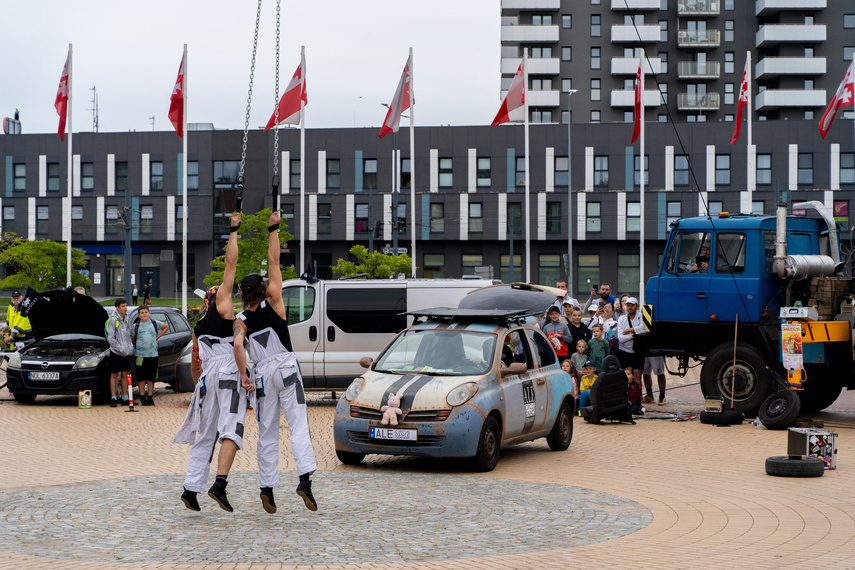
x: 375, y: 265
x: 252, y: 249
x: 41, y: 265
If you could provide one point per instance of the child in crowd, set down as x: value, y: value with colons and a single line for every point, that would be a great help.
x: 588, y: 379
x: 146, y: 333
x: 633, y: 393
x: 581, y: 355
x: 567, y: 366
x: 598, y: 348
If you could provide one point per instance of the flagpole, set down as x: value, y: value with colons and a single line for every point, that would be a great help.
x: 641, y: 179
x: 752, y: 157
x: 527, y: 177
x: 68, y: 220
x: 302, y: 164
x: 412, y: 169
x: 184, y: 188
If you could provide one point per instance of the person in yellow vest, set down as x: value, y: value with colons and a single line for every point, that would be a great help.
x: 18, y: 326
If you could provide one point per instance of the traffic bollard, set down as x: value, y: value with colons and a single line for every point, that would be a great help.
x: 130, y: 395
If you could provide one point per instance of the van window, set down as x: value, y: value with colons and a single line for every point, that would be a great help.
x: 368, y: 310
x: 299, y: 303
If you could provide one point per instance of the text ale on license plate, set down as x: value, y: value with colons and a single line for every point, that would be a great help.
x: 393, y: 433
x: 44, y: 375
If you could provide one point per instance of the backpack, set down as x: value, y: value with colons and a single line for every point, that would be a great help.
x: 137, y: 328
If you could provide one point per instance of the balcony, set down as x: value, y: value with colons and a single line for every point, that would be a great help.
x: 626, y: 98
x: 627, y: 34
x: 774, y: 34
x: 694, y: 39
x: 698, y: 70
x: 774, y: 66
x: 770, y: 7
x: 530, y: 34
x: 629, y: 65
x: 696, y: 102
x: 778, y: 98
x: 536, y: 66
x: 635, y: 5
x: 698, y: 8
x: 542, y: 5
x: 541, y: 98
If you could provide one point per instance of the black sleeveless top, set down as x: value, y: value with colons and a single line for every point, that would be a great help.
x: 265, y: 317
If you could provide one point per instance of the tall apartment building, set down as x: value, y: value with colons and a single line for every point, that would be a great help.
x: 696, y: 51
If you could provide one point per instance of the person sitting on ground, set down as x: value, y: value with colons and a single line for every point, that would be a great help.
x: 598, y: 348
x: 588, y: 378
x: 633, y: 392
x: 580, y: 357
x: 557, y: 332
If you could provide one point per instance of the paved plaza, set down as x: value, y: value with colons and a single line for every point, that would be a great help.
x: 98, y: 488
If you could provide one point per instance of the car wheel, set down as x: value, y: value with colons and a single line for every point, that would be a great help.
x: 489, y: 444
x: 349, y: 458
x: 779, y: 410
x: 725, y: 418
x: 562, y: 432
x: 752, y: 380
x: 795, y: 466
x: 24, y: 398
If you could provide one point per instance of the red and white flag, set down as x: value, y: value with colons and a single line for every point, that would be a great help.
x: 400, y: 103
x: 639, y: 93
x: 515, y: 98
x: 289, y: 103
x: 176, y: 102
x: 61, y: 102
x: 845, y: 97
x: 744, y: 94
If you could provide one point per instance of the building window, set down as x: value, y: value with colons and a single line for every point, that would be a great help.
x: 566, y: 53
x: 663, y: 92
x: 155, y: 176
x: 757, y: 207
x: 595, y: 26
x: 596, y: 54
x: 805, y: 168
x: 553, y: 217
x: 333, y: 173
x: 87, y: 176
x: 565, y: 117
x: 179, y: 220
x: 847, y: 168
x: 848, y: 52
x: 663, y: 62
x: 636, y: 175
x: 566, y: 21
x: 111, y: 220
x: 121, y: 177
x: 849, y: 21
x: 540, y: 84
x: 482, y: 173
x: 562, y: 171
x: 19, y: 177
x: 325, y: 218
x: 722, y: 169
x: 53, y: 176
x: 633, y: 216
x: 9, y: 219
x: 541, y: 20
x: 476, y: 217
x: 406, y: 175
x: 728, y: 118
x: 728, y: 30
x: 42, y: 220
x: 595, y: 116
x: 673, y: 212
x: 294, y: 173
x: 628, y: 116
x: 592, y: 217
x: 77, y: 220
x: 548, y: 269
x: 369, y: 174
x: 715, y: 208
x: 566, y: 85
x: 146, y: 217
x: 728, y: 5
x: 595, y: 89
x: 515, y: 225
x: 437, y: 218
x: 663, y: 5
x: 808, y: 115
x: 728, y: 62
x: 541, y: 116
x: 588, y: 271
x: 628, y: 272
x: 764, y: 168
x: 434, y: 264
x: 728, y: 93
x: 361, y: 218
x: 520, y: 171
x: 663, y: 31
x: 601, y: 171
x: 402, y: 218
x: 469, y: 262
x: 541, y: 52
x: 809, y: 84
x: 192, y: 175
x: 681, y: 170
x: 662, y: 118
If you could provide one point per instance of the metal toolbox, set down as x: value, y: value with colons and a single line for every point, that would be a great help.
x: 813, y: 443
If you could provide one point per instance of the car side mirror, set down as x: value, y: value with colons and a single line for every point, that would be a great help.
x: 515, y: 368
x: 366, y: 361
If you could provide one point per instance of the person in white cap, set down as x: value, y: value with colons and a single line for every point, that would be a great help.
x: 629, y: 325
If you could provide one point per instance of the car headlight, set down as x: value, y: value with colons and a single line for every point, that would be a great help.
x: 354, y: 389
x: 89, y: 361
x: 461, y: 394
x: 14, y: 360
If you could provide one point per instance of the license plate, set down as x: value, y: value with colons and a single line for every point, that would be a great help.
x: 44, y: 375
x: 395, y: 434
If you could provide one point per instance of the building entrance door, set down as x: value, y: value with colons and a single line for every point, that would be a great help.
x: 115, y: 275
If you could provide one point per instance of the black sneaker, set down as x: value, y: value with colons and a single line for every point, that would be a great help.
x: 304, y: 490
x: 151, y: 400
x: 114, y: 402
x: 218, y: 493
x: 190, y: 501
x: 267, y: 500
x: 124, y: 401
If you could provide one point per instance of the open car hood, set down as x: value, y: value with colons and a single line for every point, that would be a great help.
x: 62, y: 311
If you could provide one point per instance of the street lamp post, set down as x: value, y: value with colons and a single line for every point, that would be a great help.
x: 569, y: 196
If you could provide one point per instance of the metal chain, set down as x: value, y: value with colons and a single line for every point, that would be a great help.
x: 249, y: 94
x: 276, y: 106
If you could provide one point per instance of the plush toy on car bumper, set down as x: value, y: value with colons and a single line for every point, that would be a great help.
x: 392, y: 410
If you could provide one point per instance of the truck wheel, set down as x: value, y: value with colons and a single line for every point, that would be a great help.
x: 795, y: 466
x: 779, y: 410
x: 822, y: 388
x: 752, y: 380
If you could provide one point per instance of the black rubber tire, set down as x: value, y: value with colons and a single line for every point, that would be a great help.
x: 795, y: 466
x: 822, y: 387
x: 489, y: 446
x: 753, y: 381
x: 24, y: 398
x: 779, y: 410
x: 724, y: 418
x: 349, y: 458
x: 562, y: 432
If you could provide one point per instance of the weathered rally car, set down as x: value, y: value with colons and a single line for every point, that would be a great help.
x: 471, y: 381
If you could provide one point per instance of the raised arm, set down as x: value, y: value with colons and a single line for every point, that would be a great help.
x: 274, y: 272
x: 224, y: 293
x: 239, y: 330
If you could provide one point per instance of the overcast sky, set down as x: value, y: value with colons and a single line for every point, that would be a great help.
x: 355, y: 53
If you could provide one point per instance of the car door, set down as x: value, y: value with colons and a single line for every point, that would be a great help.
x: 304, y: 325
x: 168, y: 346
x: 526, y: 395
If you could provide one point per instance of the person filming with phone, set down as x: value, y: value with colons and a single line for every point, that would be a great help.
x: 599, y: 298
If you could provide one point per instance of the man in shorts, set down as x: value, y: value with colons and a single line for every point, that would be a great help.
x: 121, y: 348
x: 654, y: 365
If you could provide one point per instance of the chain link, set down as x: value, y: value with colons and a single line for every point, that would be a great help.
x: 276, y: 105
x: 249, y: 94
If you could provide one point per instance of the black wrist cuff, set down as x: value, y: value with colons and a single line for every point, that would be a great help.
x: 233, y: 229
x: 273, y: 228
